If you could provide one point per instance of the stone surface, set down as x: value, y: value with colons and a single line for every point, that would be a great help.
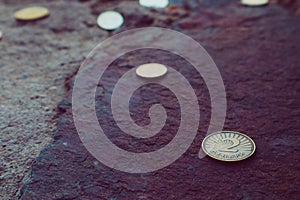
x: 35, y: 58
x: 257, y: 53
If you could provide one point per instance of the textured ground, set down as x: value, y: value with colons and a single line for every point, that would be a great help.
x: 35, y: 58
x: 256, y: 50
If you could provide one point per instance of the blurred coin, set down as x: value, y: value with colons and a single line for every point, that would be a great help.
x: 31, y: 13
x: 110, y: 20
x: 154, y: 3
x: 1, y: 35
x: 254, y: 2
x: 228, y: 146
x: 151, y: 70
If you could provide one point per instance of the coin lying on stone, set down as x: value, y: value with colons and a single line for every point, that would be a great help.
x: 254, y: 2
x: 151, y: 70
x: 1, y: 35
x: 154, y: 3
x: 31, y: 13
x: 228, y: 146
x: 110, y: 20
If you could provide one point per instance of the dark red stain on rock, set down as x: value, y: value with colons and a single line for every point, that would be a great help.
x: 257, y: 53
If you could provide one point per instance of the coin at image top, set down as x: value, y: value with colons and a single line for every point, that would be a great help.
x: 110, y: 20
x: 151, y: 70
x: 254, y: 2
x: 228, y: 146
x: 154, y: 3
x: 31, y: 13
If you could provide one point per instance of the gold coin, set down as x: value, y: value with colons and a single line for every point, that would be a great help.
x: 254, y: 2
x: 228, y: 146
x: 151, y: 70
x: 31, y: 13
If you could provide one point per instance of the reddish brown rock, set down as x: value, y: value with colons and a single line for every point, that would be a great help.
x: 257, y: 53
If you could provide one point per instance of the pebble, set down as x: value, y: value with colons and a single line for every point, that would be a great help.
x: 151, y: 70
x: 110, y: 20
x: 31, y: 13
x: 254, y: 2
x: 24, y: 76
x: 154, y: 3
x: 53, y: 88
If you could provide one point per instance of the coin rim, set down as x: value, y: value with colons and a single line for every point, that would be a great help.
x: 18, y: 17
x: 151, y: 77
x: 206, y: 152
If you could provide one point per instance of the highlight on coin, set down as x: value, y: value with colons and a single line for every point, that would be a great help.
x: 110, y: 20
x: 228, y: 146
x: 154, y: 3
x: 31, y: 13
x: 151, y: 70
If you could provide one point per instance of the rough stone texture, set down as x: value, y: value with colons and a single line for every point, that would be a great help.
x: 291, y: 4
x: 257, y: 52
x: 35, y: 58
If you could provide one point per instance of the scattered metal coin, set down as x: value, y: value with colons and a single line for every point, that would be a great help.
x: 151, y: 70
x: 154, y: 3
x: 31, y: 13
x: 254, y: 2
x: 1, y: 34
x: 110, y: 20
x: 228, y: 146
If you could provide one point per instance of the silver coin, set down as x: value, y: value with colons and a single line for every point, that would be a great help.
x: 154, y: 3
x: 110, y: 20
x: 254, y: 2
x: 151, y: 70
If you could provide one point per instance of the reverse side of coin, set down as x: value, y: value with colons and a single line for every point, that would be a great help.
x: 228, y: 146
x: 110, y: 20
x: 254, y: 2
x: 31, y: 13
x: 151, y: 70
x: 154, y: 3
